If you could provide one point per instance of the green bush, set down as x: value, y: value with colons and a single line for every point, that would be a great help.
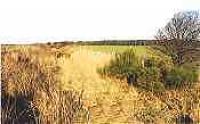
x: 180, y: 76
x: 151, y: 62
x: 122, y: 65
x: 158, y: 87
x: 152, y: 73
x: 150, y: 80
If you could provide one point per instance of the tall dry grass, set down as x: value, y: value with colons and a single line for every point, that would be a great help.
x: 31, y: 91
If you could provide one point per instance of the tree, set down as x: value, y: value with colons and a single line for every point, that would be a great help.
x: 180, y: 36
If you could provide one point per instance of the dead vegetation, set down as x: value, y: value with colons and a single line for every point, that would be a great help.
x: 31, y: 93
x: 69, y: 90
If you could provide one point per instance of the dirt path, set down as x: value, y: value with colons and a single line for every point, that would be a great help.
x: 107, y: 101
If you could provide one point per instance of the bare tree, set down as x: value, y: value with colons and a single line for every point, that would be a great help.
x: 180, y: 36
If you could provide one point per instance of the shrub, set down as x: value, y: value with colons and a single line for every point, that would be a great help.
x: 126, y: 63
x: 158, y: 87
x: 150, y: 75
x: 150, y: 62
x: 122, y: 65
x: 180, y: 76
x: 163, y: 65
x: 150, y: 72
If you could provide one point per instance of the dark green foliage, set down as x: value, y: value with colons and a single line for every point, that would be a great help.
x: 150, y: 62
x: 180, y: 76
x: 154, y: 69
x: 122, y: 65
x: 126, y: 64
x: 151, y: 81
x: 158, y: 87
x: 152, y: 73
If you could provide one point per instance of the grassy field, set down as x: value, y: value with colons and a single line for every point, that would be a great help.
x: 106, y: 100
x: 139, y: 50
x: 116, y: 48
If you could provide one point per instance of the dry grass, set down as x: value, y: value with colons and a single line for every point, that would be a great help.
x: 112, y: 101
x: 71, y: 81
x: 31, y: 77
x: 108, y: 100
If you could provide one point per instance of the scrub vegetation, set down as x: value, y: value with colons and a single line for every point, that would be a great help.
x: 104, y: 82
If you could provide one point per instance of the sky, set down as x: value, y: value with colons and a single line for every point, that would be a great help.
x: 27, y: 21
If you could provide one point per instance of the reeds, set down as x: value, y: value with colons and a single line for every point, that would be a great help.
x: 30, y: 84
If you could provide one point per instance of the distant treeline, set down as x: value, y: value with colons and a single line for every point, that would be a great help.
x: 118, y: 42
x: 107, y: 42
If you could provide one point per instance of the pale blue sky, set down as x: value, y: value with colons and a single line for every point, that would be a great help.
x: 57, y: 20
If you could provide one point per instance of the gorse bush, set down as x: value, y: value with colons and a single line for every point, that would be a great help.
x: 158, y: 87
x: 158, y: 67
x: 150, y: 80
x: 180, y: 76
x: 151, y: 72
x: 150, y: 62
x: 122, y: 65
x: 147, y: 73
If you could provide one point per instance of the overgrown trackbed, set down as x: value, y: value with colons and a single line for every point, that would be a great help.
x: 108, y: 101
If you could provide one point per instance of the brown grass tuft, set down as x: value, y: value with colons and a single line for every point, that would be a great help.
x: 25, y: 77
